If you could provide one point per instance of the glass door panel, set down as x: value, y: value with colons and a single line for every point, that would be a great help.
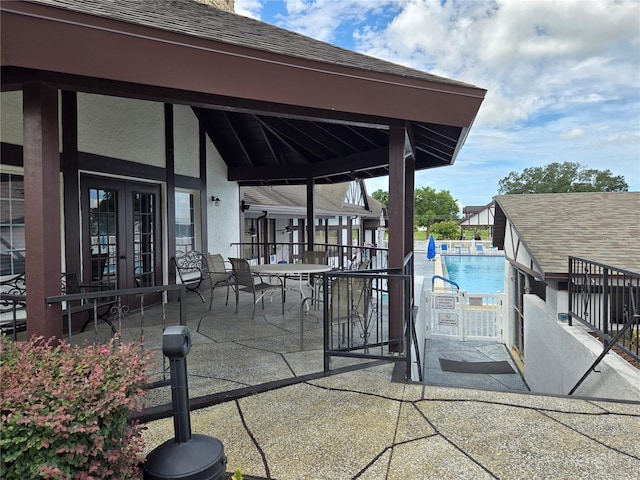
x: 103, y: 231
x: 144, y: 238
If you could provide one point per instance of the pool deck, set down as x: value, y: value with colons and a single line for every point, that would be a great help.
x: 362, y: 422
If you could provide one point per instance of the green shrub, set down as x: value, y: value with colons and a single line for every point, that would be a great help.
x: 65, y: 410
x: 447, y: 230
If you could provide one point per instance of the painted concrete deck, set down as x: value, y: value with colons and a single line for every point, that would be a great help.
x: 363, y: 424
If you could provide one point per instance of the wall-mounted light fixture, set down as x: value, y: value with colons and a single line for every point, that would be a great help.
x: 215, y: 200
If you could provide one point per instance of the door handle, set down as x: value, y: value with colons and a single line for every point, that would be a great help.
x: 122, y: 257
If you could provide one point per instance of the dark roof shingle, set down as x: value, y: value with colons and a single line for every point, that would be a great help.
x: 199, y: 20
x: 598, y: 226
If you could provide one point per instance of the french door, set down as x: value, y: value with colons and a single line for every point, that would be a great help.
x: 120, y: 233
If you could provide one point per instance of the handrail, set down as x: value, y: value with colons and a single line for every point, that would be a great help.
x: 607, y: 348
x: 444, y: 279
x: 120, y: 309
x: 605, y: 298
x: 341, y: 256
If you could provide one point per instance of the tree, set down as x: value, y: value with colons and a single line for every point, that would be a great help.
x: 432, y: 206
x: 562, y: 178
x: 447, y: 230
x: 381, y: 196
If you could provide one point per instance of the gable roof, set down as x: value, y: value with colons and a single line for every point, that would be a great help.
x: 196, y: 19
x: 279, y: 107
x: 599, y: 226
x: 291, y: 201
x: 477, y: 216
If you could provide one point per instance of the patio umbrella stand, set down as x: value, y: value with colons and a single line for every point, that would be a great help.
x: 187, y: 456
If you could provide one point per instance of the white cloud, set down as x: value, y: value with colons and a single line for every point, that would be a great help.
x: 248, y: 8
x: 553, y: 70
x: 573, y: 134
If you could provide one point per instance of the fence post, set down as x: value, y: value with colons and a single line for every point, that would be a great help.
x: 605, y: 301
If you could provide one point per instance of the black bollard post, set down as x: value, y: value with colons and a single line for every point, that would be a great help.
x: 186, y: 456
x: 176, y: 347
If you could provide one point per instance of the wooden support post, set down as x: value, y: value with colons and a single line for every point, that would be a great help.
x: 42, y: 209
x: 311, y: 223
x: 397, y: 231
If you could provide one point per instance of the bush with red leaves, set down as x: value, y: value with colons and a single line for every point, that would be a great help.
x: 66, y: 410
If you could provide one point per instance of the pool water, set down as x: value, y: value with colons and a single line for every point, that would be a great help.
x: 476, y: 273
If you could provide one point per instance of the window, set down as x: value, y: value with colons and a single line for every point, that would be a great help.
x: 12, y: 245
x: 185, y: 222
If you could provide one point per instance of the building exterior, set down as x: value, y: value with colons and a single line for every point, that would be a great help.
x: 344, y: 215
x: 538, y: 234
x: 478, y: 217
x: 129, y: 129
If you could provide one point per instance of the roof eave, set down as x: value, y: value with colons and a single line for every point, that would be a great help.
x: 142, y: 55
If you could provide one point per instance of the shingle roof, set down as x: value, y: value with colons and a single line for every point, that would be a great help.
x: 278, y: 106
x: 193, y: 18
x: 598, y: 226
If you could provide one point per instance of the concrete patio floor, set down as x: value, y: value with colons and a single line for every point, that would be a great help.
x: 363, y: 423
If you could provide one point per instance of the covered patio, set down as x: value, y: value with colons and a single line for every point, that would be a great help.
x: 244, y: 102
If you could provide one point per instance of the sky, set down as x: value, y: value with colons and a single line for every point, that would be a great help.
x: 562, y: 77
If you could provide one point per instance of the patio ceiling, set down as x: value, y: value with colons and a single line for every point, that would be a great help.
x: 279, y: 107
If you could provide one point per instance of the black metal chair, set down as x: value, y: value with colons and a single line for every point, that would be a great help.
x: 245, y: 281
x: 95, y: 309
x: 13, y: 305
x: 218, y: 274
x: 350, y: 304
x: 316, y: 258
x: 192, y: 270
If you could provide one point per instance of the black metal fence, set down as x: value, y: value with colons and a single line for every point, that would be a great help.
x: 117, y: 308
x: 341, y: 257
x: 357, y: 315
x: 607, y: 300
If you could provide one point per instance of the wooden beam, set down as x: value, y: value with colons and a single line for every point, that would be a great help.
x: 70, y: 166
x: 42, y: 209
x: 397, y: 231
x: 346, y: 164
x: 311, y: 223
x: 409, y: 207
x: 170, y: 179
x: 204, y: 198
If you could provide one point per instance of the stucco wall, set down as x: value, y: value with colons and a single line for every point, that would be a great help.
x: 508, y: 323
x: 223, y: 220
x: 121, y: 128
x: 557, y: 355
x: 11, y: 117
x: 133, y: 130
x: 186, y: 141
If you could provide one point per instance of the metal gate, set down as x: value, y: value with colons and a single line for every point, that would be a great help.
x: 464, y: 316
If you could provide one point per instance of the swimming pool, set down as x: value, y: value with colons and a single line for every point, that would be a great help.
x: 476, y: 273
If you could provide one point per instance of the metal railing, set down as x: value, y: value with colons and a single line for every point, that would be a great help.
x: 444, y: 280
x: 119, y: 309
x: 357, y: 315
x: 459, y: 247
x: 607, y: 300
x: 342, y: 257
